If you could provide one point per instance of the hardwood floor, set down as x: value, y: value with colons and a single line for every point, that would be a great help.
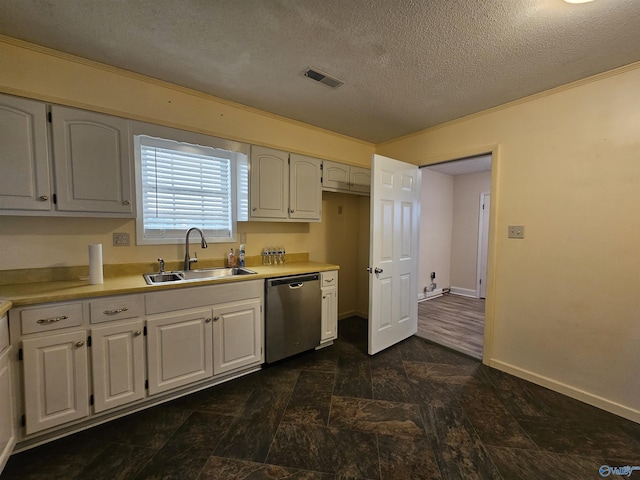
x: 453, y: 321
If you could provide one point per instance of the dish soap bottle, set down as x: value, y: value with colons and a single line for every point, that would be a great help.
x: 241, y: 256
x: 231, y: 259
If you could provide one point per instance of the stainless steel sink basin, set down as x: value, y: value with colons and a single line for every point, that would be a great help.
x: 180, y: 276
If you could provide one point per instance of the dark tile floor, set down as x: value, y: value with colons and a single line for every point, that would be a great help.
x: 414, y: 411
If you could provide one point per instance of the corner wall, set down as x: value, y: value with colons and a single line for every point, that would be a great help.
x: 562, y: 304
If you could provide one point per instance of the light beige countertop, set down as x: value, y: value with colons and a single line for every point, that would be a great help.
x: 20, y: 294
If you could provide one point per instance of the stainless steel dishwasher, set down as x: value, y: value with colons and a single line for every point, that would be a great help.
x: 293, y: 315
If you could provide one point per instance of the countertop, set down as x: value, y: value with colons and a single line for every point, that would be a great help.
x: 20, y: 294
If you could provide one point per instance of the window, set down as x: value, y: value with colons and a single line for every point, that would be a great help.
x: 183, y: 185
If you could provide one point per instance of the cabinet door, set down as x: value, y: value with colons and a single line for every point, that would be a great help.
x: 360, y: 180
x: 335, y: 176
x: 237, y: 335
x: 7, y: 432
x: 179, y: 349
x: 269, y: 183
x: 56, y: 384
x: 117, y: 352
x: 24, y: 183
x: 92, y: 162
x: 305, y: 187
x: 329, y: 306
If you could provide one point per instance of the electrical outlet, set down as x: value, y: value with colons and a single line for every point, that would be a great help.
x: 516, y: 231
x: 243, y: 238
x: 121, y: 240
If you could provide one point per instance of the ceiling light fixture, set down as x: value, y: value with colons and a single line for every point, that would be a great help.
x: 578, y: 1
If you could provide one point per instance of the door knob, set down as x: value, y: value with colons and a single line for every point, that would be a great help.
x: 378, y: 270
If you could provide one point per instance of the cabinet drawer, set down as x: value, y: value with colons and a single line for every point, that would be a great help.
x: 34, y: 320
x: 116, y: 308
x: 329, y: 279
x: 4, y: 332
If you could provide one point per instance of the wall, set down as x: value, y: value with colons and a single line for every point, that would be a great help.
x: 43, y: 74
x: 436, y: 224
x: 562, y: 304
x: 464, y: 238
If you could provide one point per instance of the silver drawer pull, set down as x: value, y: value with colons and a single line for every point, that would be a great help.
x: 116, y: 311
x: 80, y: 344
x: 329, y: 280
x: 137, y: 333
x: 52, y: 319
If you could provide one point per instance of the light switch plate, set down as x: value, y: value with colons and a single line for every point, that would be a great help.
x: 516, y: 231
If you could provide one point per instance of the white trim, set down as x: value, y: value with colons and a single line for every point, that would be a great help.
x: 568, y: 390
x: 483, y: 239
x: 430, y: 295
x: 465, y: 292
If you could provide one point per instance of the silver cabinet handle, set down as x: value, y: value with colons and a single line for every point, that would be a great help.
x: 329, y: 280
x: 254, y: 209
x: 137, y: 333
x: 80, y: 344
x: 116, y: 311
x: 43, y: 198
x: 126, y: 202
x: 216, y: 318
x: 52, y: 319
x: 207, y: 320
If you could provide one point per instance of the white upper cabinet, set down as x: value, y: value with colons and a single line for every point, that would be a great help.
x: 338, y: 177
x: 284, y: 187
x: 92, y: 164
x: 269, y: 179
x: 305, y: 187
x: 72, y: 163
x: 24, y: 155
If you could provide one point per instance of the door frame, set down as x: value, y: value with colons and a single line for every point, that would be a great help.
x: 489, y: 309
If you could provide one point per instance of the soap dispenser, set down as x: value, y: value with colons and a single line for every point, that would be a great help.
x: 231, y: 259
x: 241, y: 256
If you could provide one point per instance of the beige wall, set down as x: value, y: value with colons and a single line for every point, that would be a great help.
x: 563, y: 304
x: 33, y: 242
x: 436, y: 226
x: 464, y: 239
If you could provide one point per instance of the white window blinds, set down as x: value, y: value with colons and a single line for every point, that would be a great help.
x: 185, y: 186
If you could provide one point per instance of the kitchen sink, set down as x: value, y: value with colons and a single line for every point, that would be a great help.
x: 181, y: 276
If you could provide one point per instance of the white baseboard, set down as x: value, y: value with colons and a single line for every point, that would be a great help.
x: 568, y: 390
x: 429, y: 295
x: 353, y: 313
x: 466, y: 292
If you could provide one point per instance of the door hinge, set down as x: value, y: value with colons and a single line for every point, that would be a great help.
x: 50, y: 117
x: 483, y: 206
x: 23, y: 420
x: 480, y: 281
x: 91, y: 400
x: 20, y: 355
x: 55, y: 199
x: 89, y: 341
x: 144, y: 331
x: 146, y: 384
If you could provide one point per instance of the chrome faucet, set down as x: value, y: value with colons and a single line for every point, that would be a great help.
x: 187, y: 258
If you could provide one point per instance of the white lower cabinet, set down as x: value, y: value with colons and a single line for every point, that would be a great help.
x: 237, y: 334
x: 56, y: 380
x: 180, y: 348
x: 329, y: 318
x: 117, y: 354
x: 7, y: 420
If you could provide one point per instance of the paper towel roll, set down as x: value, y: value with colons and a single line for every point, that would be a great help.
x: 95, y: 264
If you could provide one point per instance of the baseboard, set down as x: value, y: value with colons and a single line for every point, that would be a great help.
x: 430, y: 295
x: 466, y: 292
x: 568, y: 390
x: 353, y: 313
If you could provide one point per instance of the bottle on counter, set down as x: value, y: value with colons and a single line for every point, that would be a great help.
x: 231, y: 259
x: 241, y: 255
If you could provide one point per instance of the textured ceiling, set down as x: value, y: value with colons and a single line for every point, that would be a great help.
x: 406, y: 64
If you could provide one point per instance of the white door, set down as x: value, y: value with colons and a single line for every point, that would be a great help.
x: 393, y: 266
x: 483, y: 244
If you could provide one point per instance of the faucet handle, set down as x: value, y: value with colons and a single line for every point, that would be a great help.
x: 161, y: 261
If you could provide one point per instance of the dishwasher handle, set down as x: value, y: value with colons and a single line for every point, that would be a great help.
x: 294, y: 286
x: 293, y: 280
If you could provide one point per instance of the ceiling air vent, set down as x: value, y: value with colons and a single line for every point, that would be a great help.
x: 323, y: 78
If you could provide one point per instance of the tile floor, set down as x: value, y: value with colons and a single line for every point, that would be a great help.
x: 414, y: 411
